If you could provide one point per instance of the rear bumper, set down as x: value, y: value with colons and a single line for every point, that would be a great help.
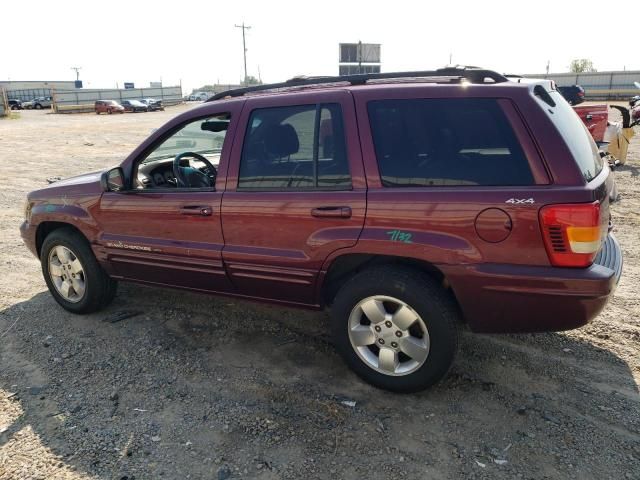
x: 501, y: 298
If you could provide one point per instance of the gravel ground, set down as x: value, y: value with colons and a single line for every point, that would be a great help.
x: 211, y: 388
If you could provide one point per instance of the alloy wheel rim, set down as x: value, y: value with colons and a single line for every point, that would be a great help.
x: 388, y: 335
x: 67, y: 274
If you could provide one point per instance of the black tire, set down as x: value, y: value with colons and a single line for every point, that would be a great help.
x: 100, y: 288
x: 37, y: 106
x: 109, y: 111
x: 422, y: 293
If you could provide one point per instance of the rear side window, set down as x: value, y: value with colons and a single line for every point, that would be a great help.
x: 576, y: 136
x: 439, y: 142
x: 298, y: 147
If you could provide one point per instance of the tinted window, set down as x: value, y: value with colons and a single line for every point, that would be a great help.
x: 577, y: 137
x: 431, y: 142
x: 300, y: 147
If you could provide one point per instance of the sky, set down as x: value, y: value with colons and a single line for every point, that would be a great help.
x: 195, y: 42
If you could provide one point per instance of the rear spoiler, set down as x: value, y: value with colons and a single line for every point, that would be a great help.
x: 548, y: 85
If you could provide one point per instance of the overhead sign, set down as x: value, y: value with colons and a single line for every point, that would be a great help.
x: 155, y: 84
x: 128, y: 85
x: 359, y: 52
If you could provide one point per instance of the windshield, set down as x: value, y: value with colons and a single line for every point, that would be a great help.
x: 203, y: 136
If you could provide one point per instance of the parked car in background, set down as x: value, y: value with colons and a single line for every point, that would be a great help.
x: 38, y: 103
x: 198, y: 97
x: 15, y: 104
x: 108, y: 106
x: 134, y: 106
x: 595, y: 118
x: 415, y: 206
x: 152, y: 104
x: 574, y: 94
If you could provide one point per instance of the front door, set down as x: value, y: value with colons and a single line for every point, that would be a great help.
x: 165, y: 229
x: 295, y: 193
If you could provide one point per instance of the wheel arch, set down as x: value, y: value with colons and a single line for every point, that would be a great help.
x: 343, y: 267
x: 45, y: 228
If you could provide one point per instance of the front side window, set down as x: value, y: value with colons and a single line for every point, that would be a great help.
x: 443, y: 142
x: 188, y: 158
x: 299, y: 147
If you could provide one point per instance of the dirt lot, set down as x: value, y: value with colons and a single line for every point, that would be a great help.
x: 212, y: 388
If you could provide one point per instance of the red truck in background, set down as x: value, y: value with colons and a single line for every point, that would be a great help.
x: 596, y: 118
x: 611, y: 137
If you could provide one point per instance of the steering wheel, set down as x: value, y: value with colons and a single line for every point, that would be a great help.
x: 192, y: 177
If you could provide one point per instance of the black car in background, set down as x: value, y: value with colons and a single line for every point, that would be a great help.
x: 15, y: 104
x: 134, y: 106
x: 574, y: 94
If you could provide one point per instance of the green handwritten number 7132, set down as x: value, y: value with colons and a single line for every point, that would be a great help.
x: 399, y: 236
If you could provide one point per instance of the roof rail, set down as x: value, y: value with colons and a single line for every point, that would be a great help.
x: 471, y: 74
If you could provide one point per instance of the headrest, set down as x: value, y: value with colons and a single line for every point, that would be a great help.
x: 281, y: 140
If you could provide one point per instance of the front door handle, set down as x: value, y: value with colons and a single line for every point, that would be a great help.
x: 332, y: 212
x: 201, y: 210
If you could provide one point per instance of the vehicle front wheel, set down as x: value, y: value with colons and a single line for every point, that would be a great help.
x: 396, y: 328
x: 109, y: 111
x: 37, y: 106
x: 74, y: 277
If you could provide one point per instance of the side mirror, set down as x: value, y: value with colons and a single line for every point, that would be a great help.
x: 112, y: 180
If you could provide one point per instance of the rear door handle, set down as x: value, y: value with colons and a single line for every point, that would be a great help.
x: 201, y: 210
x: 332, y: 212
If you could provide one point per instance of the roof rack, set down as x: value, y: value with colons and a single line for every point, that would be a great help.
x: 470, y: 74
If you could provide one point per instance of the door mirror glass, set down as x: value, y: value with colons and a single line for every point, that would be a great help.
x: 113, y: 180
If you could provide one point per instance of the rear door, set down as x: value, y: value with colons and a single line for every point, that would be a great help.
x: 295, y: 193
x: 453, y: 178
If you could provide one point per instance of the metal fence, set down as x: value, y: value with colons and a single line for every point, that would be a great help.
x: 83, y: 100
x: 27, y: 95
x: 617, y: 85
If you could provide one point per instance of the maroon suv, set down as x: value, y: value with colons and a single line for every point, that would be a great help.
x: 406, y: 203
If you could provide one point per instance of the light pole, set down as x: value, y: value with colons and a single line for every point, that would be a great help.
x: 244, y: 48
x: 77, y: 69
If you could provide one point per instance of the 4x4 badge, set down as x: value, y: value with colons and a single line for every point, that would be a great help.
x: 520, y: 201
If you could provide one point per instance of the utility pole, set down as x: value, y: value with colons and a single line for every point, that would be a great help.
x: 359, y: 56
x: 244, y: 48
x: 548, y: 65
x: 77, y: 69
x: 450, y: 58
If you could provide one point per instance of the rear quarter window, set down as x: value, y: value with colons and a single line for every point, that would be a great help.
x: 575, y: 134
x: 445, y: 142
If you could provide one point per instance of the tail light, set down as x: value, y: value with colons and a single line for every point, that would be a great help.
x: 581, y: 94
x: 573, y: 233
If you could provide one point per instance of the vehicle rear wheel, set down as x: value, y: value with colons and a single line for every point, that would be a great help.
x: 396, y: 328
x: 74, y: 277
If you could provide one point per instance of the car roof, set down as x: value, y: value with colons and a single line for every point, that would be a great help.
x: 448, y: 75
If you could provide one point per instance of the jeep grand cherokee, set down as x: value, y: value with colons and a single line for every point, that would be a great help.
x: 406, y: 203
